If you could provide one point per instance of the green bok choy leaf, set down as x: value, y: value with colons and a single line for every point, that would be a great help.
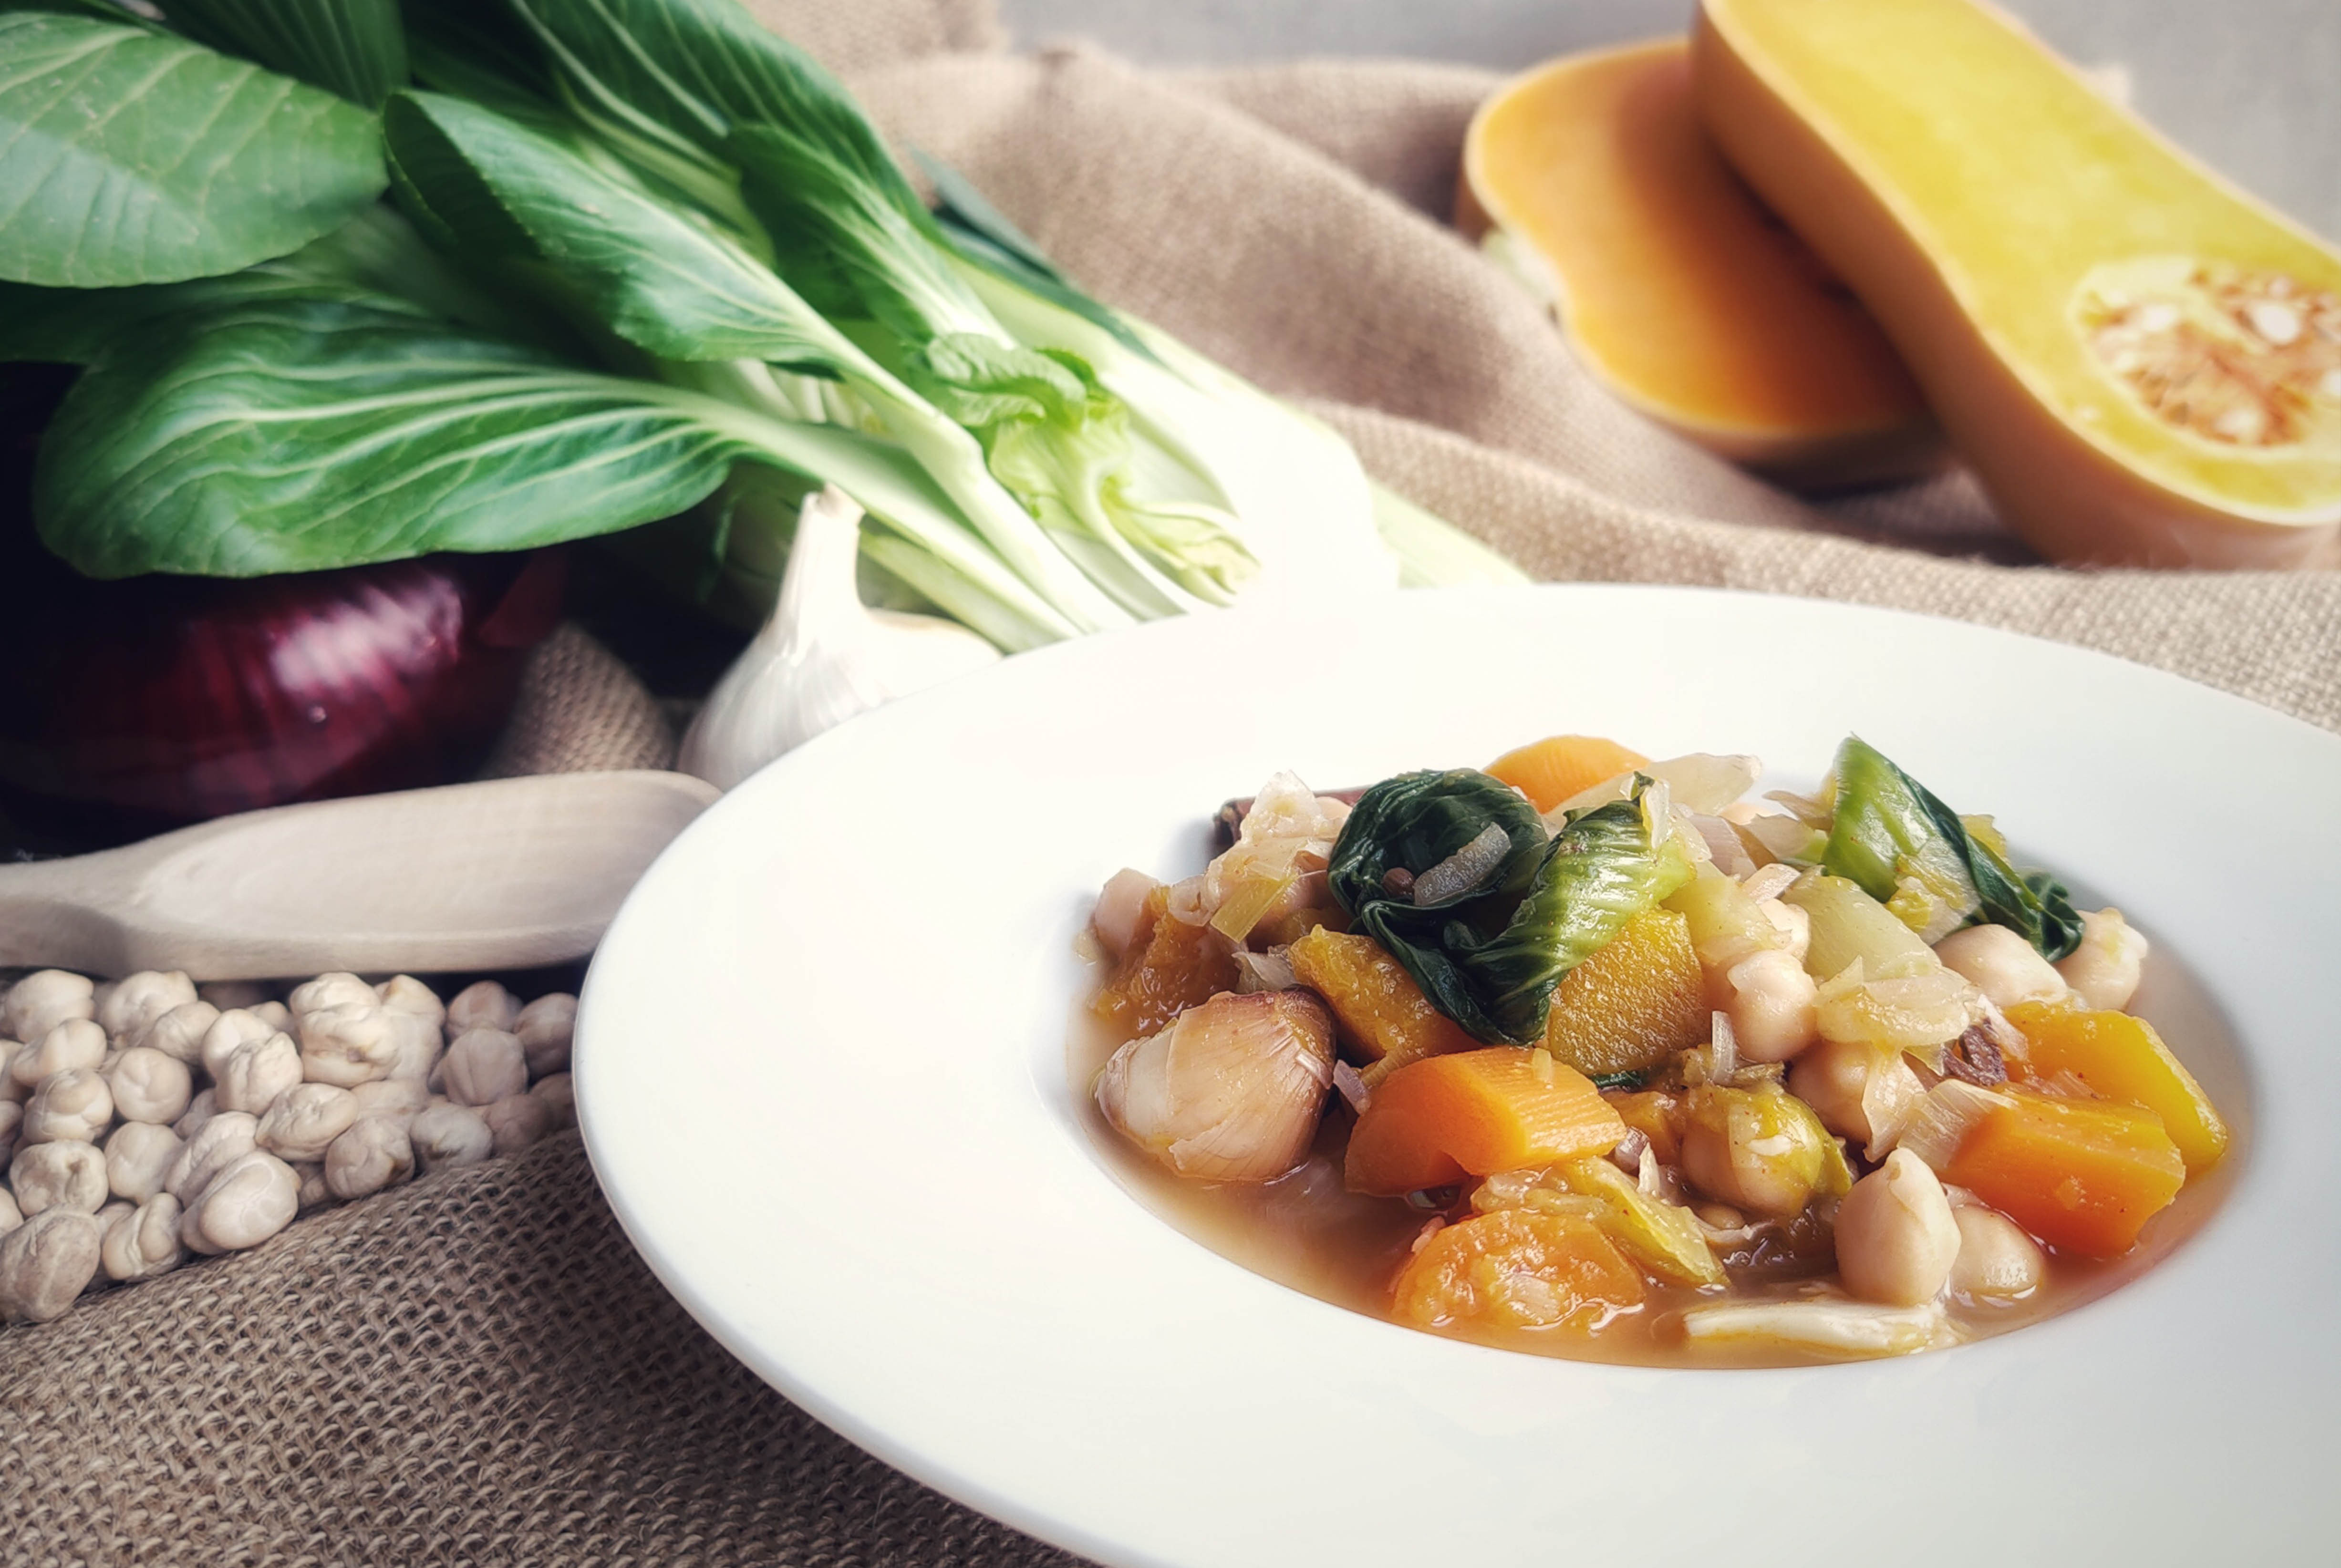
x: 1936, y: 870
x: 199, y: 165
x: 1489, y: 955
x: 658, y: 258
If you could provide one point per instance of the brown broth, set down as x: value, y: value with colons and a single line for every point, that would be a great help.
x: 1306, y: 1232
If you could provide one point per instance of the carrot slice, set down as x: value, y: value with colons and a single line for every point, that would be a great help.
x: 2082, y: 1174
x: 1437, y: 1121
x: 1560, y: 766
x: 2122, y: 1058
x: 1383, y: 1014
x: 1517, y: 1268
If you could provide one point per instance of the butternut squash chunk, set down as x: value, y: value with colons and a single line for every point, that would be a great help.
x: 2142, y: 363
x: 2122, y: 1058
x: 1676, y: 288
x: 1656, y: 1113
x: 1384, y: 1015
x: 1517, y: 1268
x: 2082, y: 1174
x: 1436, y: 1121
x: 1551, y: 770
x: 1638, y: 1000
x: 1169, y: 966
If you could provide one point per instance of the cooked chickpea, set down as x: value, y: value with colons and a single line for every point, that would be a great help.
x: 2000, y: 964
x: 1897, y: 1238
x: 1771, y: 1005
x: 2106, y: 966
x: 1996, y: 1258
x: 1861, y: 1091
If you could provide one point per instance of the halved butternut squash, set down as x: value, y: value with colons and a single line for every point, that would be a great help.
x: 1674, y: 285
x: 2143, y: 363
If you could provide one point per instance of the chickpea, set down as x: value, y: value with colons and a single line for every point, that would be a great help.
x: 2106, y: 966
x: 137, y: 1001
x: 1860, y: 1090
x: 1771, y: 1005
x: 2000, y: 964
x: 1996, y: 1258
x: 1897, y: 1238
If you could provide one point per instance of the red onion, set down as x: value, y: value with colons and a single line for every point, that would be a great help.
x: 130, y: 707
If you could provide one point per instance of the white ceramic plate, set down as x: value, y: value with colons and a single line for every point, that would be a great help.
x: 822, y: 1073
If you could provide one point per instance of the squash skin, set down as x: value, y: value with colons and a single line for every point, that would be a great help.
x: 1595, y: 165
x: 2074, y: 497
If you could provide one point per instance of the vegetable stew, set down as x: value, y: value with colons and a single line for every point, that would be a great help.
x: 1649, y: 1071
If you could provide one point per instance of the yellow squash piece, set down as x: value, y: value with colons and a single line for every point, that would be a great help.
x: 1383, y: 1014
x: 1675, y: 287
x: 2143, y: 363
x: 2123, y: 1058
x: 1638, y: 1000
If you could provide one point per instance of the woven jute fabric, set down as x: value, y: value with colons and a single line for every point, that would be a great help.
x: 477, y: 1368
x: 580, y: 711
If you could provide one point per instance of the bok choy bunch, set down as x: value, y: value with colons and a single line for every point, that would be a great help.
x: 636, y: 257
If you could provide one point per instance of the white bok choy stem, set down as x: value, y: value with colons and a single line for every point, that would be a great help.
x: 823, y: 657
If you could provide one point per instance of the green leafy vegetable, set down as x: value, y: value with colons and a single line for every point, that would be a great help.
x: 130, y: 157
x: 653, y: 257
x: 355, y: 48
x: 1897, y: 840
x: 1490, y: 956
x: 679, y: 289
x: 290, y: 434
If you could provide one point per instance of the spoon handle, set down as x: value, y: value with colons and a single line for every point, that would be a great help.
x: 49, y: 915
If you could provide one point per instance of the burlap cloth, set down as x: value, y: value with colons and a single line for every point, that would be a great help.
x: 476, y: 1368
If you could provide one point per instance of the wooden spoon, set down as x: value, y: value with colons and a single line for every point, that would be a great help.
x: 509, y: 873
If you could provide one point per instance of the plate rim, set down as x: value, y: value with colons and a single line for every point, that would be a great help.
x: 1008, y: 1504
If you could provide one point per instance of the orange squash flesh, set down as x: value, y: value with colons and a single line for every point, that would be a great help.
x: 1551, y: 770
x: 1656, y: 1114
x: 1384, y: 1015
x: 2122, y: 1058
x: 1677, y: 289
x: 1169, y: 966
x: 2142, y: 363
x: 2082, y: 1174
x: 1638, y: 1000
x: 1437, y: 1121
x: 1517, y: 1268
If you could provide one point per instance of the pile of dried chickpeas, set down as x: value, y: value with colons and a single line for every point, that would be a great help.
x: 149, y: 1119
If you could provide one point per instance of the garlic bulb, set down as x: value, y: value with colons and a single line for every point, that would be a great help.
x: 1227, y: 1091
x: 824, y: 656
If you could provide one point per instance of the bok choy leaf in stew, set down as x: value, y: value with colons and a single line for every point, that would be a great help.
x: 1488, y: 933
x: 1585, y: 1053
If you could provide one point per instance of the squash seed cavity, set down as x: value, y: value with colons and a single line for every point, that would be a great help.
x: 2250, y: 362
